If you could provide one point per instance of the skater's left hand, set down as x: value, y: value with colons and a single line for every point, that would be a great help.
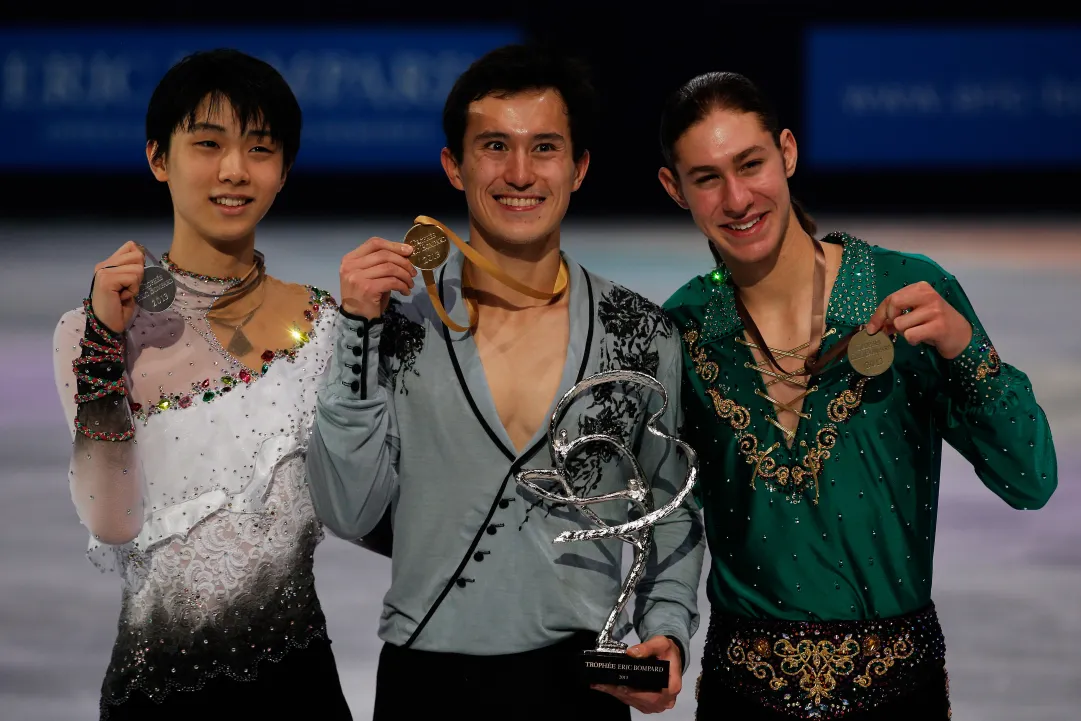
x: 665, y: 649
x: 921, y: 315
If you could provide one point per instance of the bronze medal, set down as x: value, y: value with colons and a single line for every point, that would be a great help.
x: 870, y: 355
x: 430, y: 246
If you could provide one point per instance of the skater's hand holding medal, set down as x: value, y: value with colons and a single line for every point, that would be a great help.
x: 117, y: 283
x: 370, y: 273
x: 921, y: 315
x: 429, y: 241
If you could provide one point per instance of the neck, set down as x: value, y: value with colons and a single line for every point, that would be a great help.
x: 195, y: 253
x: 781, y: 282
x: 533, y: 264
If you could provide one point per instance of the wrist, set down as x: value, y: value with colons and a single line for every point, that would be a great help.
x: 957, y: 347
x: 357, y: 315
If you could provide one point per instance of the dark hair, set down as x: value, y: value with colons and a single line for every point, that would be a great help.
x: 513, y: 69
x: 702, y: 95
x: 256, y: 91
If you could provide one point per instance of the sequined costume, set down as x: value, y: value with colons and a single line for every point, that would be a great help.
x: 218, y: 595
x: 820, y: 580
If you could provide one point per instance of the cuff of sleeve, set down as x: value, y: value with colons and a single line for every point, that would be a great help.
x: 355, y: 372
x: 682, y: 652
x: 973, y: 374
x: 680, y: 637
x: 96, y: 330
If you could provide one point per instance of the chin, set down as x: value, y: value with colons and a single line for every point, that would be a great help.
x: 522, y: 233
x: 223, y: 233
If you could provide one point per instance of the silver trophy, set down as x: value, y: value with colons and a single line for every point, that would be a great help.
x: 608, y: 662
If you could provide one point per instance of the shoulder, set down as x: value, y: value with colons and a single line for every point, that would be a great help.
x: 622, y: 310
x: 894, y: 269
x: 687, y: 306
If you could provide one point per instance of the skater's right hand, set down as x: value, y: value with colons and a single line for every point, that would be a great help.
x: 116, y: 283
x: 371, y: 272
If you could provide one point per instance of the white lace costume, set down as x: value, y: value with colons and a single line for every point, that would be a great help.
x: 219, y: 574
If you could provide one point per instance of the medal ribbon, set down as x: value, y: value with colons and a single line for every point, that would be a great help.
x: 818, y: 314
x: 488, y: 267
x: 815, y: 364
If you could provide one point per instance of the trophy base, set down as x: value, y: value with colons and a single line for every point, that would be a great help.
x: 642, y: 674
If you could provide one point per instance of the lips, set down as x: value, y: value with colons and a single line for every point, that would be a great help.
x: 519, y: 202
x: 746, y: 227
x: 231, y: 201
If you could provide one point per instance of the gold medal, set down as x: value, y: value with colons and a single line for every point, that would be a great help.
x: 430, y: 246
x: 870, y: 355
x: 431, y: 241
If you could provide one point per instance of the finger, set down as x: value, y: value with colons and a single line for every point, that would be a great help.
x: 928, y: 332
x: 133, y: 260
x: 385, y: 285
x: 645, y: 701
x: 365, y: 279
x: 656, y: 646
x: 372, y: 245
x: 879, y: 318
x: 114, y: 279
x: 125, y: 257
x: 129, y: 258
x: 379, y: 257
x: 917, y: 317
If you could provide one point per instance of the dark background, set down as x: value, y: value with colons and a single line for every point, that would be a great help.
x: 638, y: 56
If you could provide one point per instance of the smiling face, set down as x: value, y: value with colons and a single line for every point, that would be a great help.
x: 517, y: 168
x: 222, y: 180
x: 733, y: 177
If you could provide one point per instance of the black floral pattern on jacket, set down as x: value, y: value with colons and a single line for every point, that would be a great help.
x: 633, y: 327
x: 401, y: 340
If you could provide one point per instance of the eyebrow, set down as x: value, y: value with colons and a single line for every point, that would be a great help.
x: 736, y: 160
x: 496, y: 135
x: 257, y: 132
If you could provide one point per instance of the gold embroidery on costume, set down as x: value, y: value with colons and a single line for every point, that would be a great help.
x: 989, y: 366
x: 899, y: 650
x: 792, y: 480
x: 817, y: 665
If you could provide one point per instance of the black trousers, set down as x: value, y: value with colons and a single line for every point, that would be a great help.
x: 928, y: 702
x: 304, y: 684
x: 537, y: 684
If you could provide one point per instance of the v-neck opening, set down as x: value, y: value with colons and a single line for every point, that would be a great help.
x: 770, y: 415
x: 478, y: 393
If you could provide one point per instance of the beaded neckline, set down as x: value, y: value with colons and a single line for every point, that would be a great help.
x: 852, y: 301
x: 177, y: 270
x: 210, y: 389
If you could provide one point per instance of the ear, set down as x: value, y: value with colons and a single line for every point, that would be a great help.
x: 285, y: 174
x: 580, y: 167
x: 789, y: 152
x: 157, y: 165
x: 451, y: 168
x: 671, y: 185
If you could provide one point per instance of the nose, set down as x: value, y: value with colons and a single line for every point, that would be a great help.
x: 738, y: 198
x: 233, y: 168
x: 518, y: 172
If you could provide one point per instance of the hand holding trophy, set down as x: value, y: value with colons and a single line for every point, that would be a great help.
x: 608, y: 662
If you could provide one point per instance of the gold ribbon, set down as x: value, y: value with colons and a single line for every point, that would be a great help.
x: 488, y: 267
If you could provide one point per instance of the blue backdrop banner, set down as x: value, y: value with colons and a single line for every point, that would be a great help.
x: 884, y: 97
x: 372, y: 97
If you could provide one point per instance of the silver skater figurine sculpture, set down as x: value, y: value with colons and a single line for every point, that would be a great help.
x: 608, y: 662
